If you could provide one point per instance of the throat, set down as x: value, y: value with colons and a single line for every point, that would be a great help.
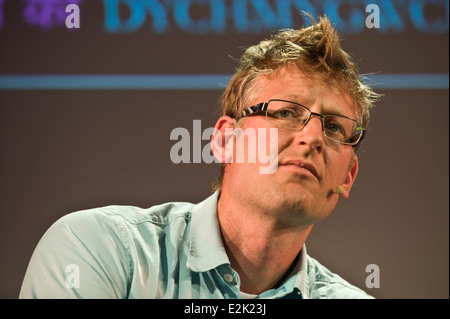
x: 260, y: 251
x: 288, y: 273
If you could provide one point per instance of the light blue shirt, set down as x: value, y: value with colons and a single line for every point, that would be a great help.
x: 172, y: 250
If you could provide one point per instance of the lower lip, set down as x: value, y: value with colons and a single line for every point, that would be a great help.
x: 299, y: 170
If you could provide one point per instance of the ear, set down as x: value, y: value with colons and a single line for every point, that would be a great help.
x: 350, y: 178
x: 222, y: 139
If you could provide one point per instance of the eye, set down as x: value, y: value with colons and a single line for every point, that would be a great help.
x: 335, y: 128
x: 286, y: 113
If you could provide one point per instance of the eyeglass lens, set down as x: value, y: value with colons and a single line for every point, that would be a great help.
x: 295, y: 116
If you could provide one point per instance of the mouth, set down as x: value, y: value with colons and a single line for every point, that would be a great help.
x: 302, y: 167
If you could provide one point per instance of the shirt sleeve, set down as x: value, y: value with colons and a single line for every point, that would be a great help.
x: 82, y: 255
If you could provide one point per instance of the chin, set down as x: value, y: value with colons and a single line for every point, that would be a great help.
x: 297, y: 201
x: 302, y: 204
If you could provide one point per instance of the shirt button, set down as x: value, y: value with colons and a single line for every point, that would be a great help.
x: 228, y: 277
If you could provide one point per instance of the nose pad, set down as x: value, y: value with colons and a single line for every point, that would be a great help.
x: 316, y: 140
x: 318, y: 116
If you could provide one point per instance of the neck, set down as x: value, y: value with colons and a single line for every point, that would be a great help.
x: 261, y: 247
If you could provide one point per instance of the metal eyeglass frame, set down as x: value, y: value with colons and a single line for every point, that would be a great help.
x: 263, y: 107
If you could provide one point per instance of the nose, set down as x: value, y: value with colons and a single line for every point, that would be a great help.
x: 311, y: 134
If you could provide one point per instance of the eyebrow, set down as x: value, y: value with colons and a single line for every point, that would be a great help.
x: 335, y: 110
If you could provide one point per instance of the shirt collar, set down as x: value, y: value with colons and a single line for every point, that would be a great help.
x: 297, y: 281
x: 301, y: 273
x: 206, y: 249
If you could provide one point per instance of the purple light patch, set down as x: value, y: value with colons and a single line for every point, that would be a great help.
x: 46, y: 13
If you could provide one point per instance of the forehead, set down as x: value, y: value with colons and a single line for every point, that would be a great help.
x: 289, y: 83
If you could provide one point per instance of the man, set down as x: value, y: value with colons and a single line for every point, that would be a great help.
x: 247, y: 240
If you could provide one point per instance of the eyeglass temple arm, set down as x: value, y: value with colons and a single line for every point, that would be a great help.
x: 255, y: 108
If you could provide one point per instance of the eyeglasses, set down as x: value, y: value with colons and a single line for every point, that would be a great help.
x: 294, y: 116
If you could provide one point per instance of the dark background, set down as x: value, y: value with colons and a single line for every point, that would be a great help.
x: 67, y: 150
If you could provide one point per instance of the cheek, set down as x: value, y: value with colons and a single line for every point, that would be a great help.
x: 338, y: 166
x: 285, y: 140
x: 257, y: 144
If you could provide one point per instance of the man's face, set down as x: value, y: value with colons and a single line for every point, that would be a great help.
x: 310, y: 166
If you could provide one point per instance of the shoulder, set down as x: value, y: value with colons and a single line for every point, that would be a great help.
x: 325, y: 284
x: 114, y: 217
x: 106, y: 244
x: 117, y: 227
